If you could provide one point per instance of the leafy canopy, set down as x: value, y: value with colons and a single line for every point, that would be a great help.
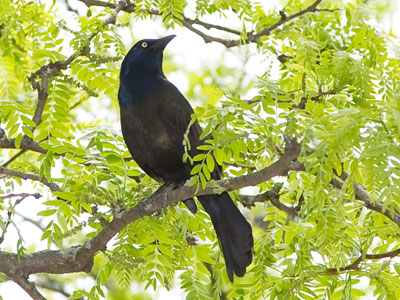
x: 325, y: 228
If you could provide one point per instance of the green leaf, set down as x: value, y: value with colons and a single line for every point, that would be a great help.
x: 397, y: 268
x: 18, y: 140
x: 45, y: 235
x: 27, y: 131
x: 196, y: 169
x: 199, y: 157
x: 46, y: 213
x: 210, y: 163
x: 203, y: 181
x: 28, y: 121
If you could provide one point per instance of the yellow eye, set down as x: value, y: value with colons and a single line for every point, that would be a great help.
x: 144, y: 44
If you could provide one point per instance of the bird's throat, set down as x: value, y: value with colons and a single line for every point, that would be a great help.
x: 135, y: 89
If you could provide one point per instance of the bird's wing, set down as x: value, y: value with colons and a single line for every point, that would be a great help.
x: 175, y: 112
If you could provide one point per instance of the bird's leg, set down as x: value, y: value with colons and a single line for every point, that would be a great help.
x: 190, y: 204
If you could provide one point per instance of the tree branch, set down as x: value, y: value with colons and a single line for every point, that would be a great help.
x: 97, y: 3
x: 188, y: 23
x: 22, y: 195
x: 208, y: 38
x: 284, y: 19
x: 52, y: 69
x: 45, y: 73
x: 239, y: 165
x: 212, y: 26
x: 52, y: 285
x: 28, y: 287
x: 355, y: 265
x: 33, y: 222
x: 362, y: 195
x: 5, y: 226
x: 53, y: 186
x: 316, y: 98
x: 80, y: 258
x: 26, y: 143
x: 273, y: 197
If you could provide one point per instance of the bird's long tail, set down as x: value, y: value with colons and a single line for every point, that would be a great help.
x: 233, y: 231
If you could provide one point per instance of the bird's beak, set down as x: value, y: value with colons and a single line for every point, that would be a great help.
x: 160, y: 44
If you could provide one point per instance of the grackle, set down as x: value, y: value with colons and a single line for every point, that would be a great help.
x: 154, y: 119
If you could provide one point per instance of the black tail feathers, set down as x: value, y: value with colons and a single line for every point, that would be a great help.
x: 233, y: 231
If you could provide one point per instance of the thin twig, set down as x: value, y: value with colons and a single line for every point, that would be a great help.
x: 11, y: 209
x: 23, y: 195
x: 28, y: 287
x: 12, y: 158
x: 316, y: 98
x: 239, y: 165
x: 271, y: 196
x: 53, y: 285
x: 356, y: 264
x: 3, y: 234
x: 97, y: 3
x: 212, y: 26
x: 33, y: 222
x: 362, y: 195
x: 27, y: 176
x: 208, y: 38
x: 284, y: 19
x: 188, y: 23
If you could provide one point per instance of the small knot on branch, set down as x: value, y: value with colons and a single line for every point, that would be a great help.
x: 292, y: 147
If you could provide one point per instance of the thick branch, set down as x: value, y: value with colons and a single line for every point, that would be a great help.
x: 26, y: 143
x: 80, y: 258
x: 158, y: 201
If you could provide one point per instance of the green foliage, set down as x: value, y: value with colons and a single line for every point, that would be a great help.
x: 336, y: 91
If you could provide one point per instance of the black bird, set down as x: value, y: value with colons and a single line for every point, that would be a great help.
x: 154, y: 118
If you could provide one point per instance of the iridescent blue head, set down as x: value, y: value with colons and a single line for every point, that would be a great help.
x: 141, y: 70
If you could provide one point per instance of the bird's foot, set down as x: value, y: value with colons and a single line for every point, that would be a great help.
x: 190, y: 203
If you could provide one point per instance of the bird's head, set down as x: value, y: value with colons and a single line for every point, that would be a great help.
x: 145, y: 58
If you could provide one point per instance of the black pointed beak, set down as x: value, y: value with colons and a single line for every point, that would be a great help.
x: 160, y: 44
